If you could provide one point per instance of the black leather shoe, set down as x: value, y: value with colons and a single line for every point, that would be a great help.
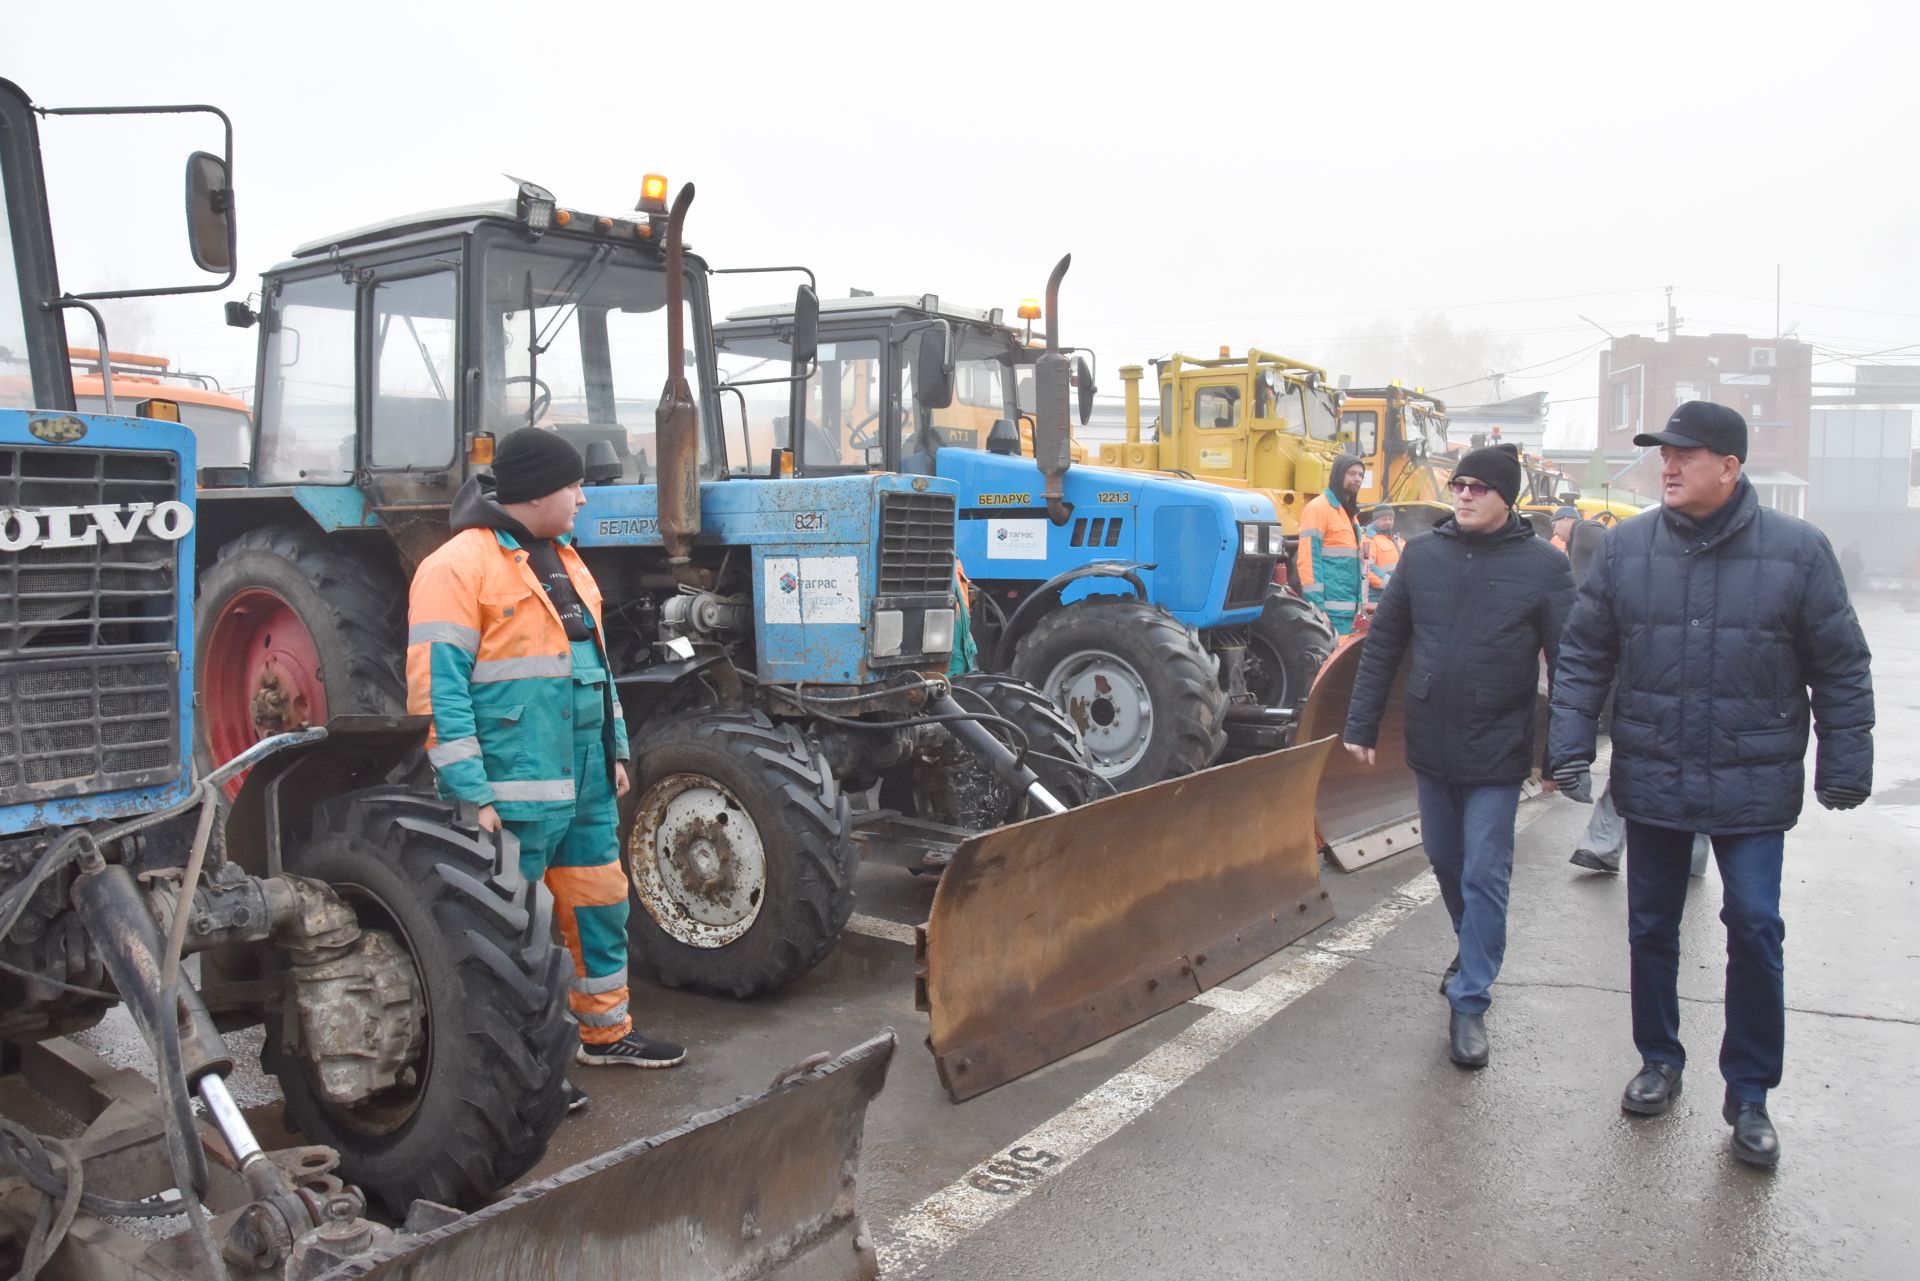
x: 1754, y: 1139
x: 1653, y: 1089
x: 1453, y: 968
x: 1467, y: 1039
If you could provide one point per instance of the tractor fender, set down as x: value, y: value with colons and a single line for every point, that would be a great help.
x: 1047, y: 597
x: 282, y: 791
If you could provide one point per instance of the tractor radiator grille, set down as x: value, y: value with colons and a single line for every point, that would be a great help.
x: 89, y: 640
x: 1252, y: 575
x: 916, y: 544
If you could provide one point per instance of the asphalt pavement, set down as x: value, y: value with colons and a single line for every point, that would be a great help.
x: 1305, y: 1119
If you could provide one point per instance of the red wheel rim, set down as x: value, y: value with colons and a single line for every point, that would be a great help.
x: 260, y: 675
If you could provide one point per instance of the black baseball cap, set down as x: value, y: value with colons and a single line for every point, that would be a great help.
x: 1701, y: 424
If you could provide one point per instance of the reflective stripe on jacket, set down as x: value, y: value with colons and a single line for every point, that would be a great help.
x: 1330, y: 559
x: 488, y: 658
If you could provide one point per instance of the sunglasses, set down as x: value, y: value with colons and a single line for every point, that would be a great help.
x: 1471, y: 488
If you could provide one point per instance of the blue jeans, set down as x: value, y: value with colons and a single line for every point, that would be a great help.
x: 1468, y: 832
x: 1755, y: 1040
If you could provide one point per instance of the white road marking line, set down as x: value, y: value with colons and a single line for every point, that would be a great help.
x: 925, y: 1233
x: 874, y: 927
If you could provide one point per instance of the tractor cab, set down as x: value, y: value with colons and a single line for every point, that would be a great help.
x: 394, y: 356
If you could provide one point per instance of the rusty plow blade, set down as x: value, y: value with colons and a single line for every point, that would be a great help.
x: 763, y: 1188
x: 1366, y: 812
x: 1052, y: 934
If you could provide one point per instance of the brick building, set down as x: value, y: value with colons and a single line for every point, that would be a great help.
x: 1768, y: 380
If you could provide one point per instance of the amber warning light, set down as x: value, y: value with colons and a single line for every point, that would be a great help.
x: 653, y: 193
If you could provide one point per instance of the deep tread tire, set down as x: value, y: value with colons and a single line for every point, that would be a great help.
x: 1189, y: 707
x: 1291, y: 641
x: 954, y: 787
x: 804, y: 826
x: 499, y: 1034
x: 356, y: 613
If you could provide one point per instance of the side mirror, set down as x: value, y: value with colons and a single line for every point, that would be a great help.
x: 806, y: 328
x: 932, y: 375
x: 209, y: 213
x: 1083, y: 379
x: 241, y: 316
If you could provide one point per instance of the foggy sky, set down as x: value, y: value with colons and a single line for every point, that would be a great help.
x: 1286, y: 176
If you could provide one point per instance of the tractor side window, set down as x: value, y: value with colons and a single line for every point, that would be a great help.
x: 1216, y: 407
x: 1362, y: 426
x: 307, y: 405
x: 414, y: 363
x: 16, y: 380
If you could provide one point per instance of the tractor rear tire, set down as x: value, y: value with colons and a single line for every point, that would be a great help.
x: 490, y: 1086
x: 739, y: 852
x: 950, y: 785
x: 1138, y: 685
x: 1291, y: 641
x: 290, y: 630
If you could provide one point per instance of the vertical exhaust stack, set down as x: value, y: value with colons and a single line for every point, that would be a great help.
x: 676, y: 423
x: 1053, y: 390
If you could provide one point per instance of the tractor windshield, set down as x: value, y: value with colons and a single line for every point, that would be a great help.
x: 1319, y: 410
x: 577, y: 342
x: 1423, y: 424
x: 843, y: 410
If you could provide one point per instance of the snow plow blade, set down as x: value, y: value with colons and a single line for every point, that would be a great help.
x: 1366, y: 812
x: 763, y: 1188
x: 1052, y: 934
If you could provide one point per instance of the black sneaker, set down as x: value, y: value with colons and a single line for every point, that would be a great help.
x: 577, y: 1098
x: 635, y: 1049
x: 1594, y: 863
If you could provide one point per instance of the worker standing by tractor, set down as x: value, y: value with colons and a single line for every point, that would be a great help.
x: 1382, y: 551
x: 505, y: 651
x: 1330, y: 545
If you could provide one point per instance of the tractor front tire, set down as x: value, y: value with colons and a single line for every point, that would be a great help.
x: 488, y: 1091
x: 1138, y: 685
x: 738, y: 848
x: 1291, y: 641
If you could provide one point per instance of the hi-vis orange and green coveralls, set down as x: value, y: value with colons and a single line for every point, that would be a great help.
x: 526, y: 721
x: 1329, y: 554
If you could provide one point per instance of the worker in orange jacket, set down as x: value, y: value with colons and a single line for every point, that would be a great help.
x: 1382, y: 551
x: 1564, y: 519
x: 505, y: 651
x: 1329, y: 549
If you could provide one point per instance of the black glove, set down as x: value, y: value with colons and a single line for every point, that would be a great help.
x: 1841, y: 798
x: 1575, y: 781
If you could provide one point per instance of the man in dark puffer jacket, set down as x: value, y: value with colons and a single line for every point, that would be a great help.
x: 1718, y: 615
x: 1475, y: 600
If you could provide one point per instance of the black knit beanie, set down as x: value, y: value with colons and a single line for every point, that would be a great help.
x: 532, y: 463
x: 1494, y: 467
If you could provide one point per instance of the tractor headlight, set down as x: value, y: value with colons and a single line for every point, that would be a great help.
x: 889, y: 632
x: 1276, y: 540
x: 1250, y: 540
x: 936, y: 632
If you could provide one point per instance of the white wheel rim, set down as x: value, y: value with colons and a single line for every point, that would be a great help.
x: 1108, y: 702
x: 697, y: 862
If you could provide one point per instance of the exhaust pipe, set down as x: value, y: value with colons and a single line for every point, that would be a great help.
x: 1053, y: 392
x: 676, y: 423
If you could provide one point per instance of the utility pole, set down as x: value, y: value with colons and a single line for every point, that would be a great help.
x: 1776, y: 303
x: 1673, y: 319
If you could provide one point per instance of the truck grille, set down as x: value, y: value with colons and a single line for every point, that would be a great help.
x: 916, y: 544
x: 1247, y: 587
x: 89, y: 644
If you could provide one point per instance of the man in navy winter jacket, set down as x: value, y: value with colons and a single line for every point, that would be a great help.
x: 1727, y: 623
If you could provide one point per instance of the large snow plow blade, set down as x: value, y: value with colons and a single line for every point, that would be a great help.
x: 1051, y: 934
x: 1366, y: 812
x: 763, y: 1188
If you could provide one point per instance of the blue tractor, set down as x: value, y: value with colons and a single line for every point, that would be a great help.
x: 1129, y: 600
x: 777, y: 643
